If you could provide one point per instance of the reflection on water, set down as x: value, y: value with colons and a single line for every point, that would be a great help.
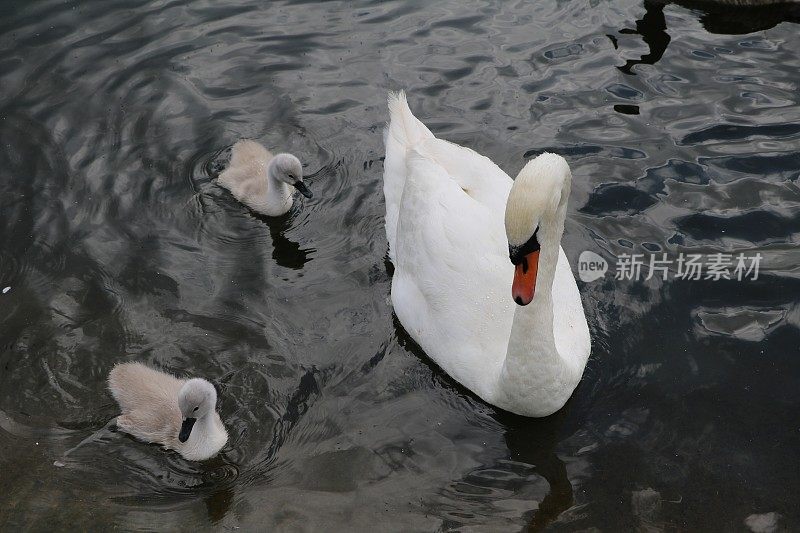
x: 715, y: 17
x: 679, y: 122
x: 533, y: 444
x: 286, y: 252
x: 721, y: 19
x: 652, y: 28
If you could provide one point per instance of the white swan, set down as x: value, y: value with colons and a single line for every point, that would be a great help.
x: 452, y: 287
x: 177, y: 413
x: 261, y: 181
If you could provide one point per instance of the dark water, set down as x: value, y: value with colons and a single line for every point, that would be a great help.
x: 680, y: 123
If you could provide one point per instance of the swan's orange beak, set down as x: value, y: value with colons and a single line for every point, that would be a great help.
x: 525, y: 279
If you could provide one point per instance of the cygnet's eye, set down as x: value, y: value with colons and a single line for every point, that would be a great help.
x: 196, y: 408
x: 291, y: 176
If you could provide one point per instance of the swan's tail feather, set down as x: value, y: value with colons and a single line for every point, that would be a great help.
x: 403, y: 125
x: 401, y: 135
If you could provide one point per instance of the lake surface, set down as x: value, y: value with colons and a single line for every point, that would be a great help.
x: 680, y: 124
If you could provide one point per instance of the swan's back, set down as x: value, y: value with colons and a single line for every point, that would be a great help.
x: 149, y: 401
x: 248, y: 163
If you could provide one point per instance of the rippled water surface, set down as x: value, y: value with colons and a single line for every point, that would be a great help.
x: 680, y: 123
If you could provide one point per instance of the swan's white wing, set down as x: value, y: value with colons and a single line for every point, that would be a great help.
x: 475, y: 174
x: 245, y: 175
x: 247, y: 188
x: 451, y: 286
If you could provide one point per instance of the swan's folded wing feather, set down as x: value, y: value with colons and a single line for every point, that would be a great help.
x: 248, y: 162
x: 475, y: 174
x: 401, y: 135
x: 137, y: 381
x: 231, y: 177
x: 448, y: 222
x: 247, y: 153
x: 451, y: 263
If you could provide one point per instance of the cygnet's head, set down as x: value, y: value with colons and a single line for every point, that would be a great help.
x: 541, y: 187
x: 287, y: 168
x: 196, y: 399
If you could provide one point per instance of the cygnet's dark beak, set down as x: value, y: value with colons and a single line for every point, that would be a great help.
x: 300, y: 186
x: 186, y: 429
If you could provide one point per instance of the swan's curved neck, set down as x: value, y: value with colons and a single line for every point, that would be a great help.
x: 206, y: 426
x: 534, y: 374
x: 276, y: 186
x: 278, y: 191
x: 206, y: 438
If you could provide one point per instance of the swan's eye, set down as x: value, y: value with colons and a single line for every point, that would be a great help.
x: 291, y: 176
x: 196, y: 408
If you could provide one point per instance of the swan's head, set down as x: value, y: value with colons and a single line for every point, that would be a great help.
x: 541, y: 187
x: 196, y: 399
x: 287, y: 168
